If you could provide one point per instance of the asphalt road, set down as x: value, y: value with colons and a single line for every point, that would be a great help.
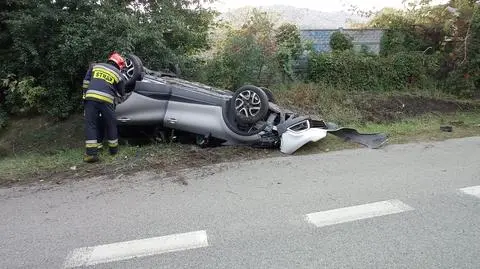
x: 398, y: 207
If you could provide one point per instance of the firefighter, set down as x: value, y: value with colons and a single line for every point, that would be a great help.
x: 103, y: 85
x: 101, y: 130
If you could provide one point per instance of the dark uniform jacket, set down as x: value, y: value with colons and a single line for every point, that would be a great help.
x: 103, y: 82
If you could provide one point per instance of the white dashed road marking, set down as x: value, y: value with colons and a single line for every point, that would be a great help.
x: 359, y: 212
x: 474, y: 191
x: 137, y: 248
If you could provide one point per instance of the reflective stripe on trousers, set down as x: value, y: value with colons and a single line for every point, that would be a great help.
x: 92, y: 111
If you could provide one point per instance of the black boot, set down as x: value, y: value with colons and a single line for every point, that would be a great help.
x: 113, y: 150
x: 91, y: 158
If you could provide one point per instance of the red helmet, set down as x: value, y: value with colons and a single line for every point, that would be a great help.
x: 118, y: 59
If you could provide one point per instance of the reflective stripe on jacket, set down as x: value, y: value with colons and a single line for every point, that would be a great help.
x: 103, y: 82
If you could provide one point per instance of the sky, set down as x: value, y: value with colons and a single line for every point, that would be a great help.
x: 322, y: 5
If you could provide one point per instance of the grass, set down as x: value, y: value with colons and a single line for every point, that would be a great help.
x: 35, y: 165
x: 36, y: 149
x: 427, y: 127
x: 40, y: 135
x: 356, y: 107
x: 27, y: 167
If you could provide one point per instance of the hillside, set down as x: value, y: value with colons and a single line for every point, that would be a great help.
x: 303, y: 17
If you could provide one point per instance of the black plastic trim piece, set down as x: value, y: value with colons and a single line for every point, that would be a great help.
x: 282, y: 128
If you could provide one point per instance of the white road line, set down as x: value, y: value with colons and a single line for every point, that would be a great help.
x: 137, y: 248
x: 348, y: 214
x: 474, y: 191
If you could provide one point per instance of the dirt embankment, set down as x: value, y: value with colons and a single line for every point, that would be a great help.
x: 391, y: 108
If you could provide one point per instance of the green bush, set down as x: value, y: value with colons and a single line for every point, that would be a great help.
x: 410, y: 69
x: 401, y: 40
x: 460, y: 83
x: 346, y: 69
x: 24, y: 96
x: 354, y: 71
x: 340, y: 41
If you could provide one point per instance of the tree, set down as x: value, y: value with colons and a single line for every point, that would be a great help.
x: 54, y: 41
x: 463, y: 74
x: 256, y: 51
x: 340, y: 41
x: 289, y: 46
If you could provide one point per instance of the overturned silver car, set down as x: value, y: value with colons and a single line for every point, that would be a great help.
x: 248, y: 116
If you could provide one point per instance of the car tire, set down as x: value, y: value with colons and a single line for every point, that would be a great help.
x: 269, y: 93
x: 250, y: 104
x: 134, y: 71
